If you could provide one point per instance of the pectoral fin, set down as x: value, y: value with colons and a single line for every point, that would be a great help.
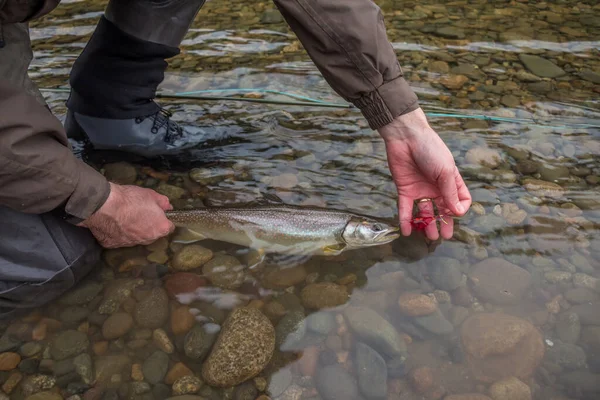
x: 334, y: 250
x: 186, y: 235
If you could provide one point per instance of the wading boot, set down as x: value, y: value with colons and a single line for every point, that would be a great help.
x: 114, y: 80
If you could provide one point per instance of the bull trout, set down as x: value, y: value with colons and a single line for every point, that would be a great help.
x: 286, y: 229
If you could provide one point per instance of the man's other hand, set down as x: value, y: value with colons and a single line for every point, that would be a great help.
x: 130, y: 216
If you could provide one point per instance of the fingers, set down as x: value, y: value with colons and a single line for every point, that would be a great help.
x: 463, y: 192
x: 447, y: 185
x: 162, y: 201
x: 405, y: 205
x: 426, y: 210
x: 446, y: 227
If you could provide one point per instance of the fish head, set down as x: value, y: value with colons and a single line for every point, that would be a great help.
x: 365, y: 232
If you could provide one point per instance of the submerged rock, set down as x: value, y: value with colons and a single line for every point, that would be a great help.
x: 374, y: 330
x: 334, y: 383
x: 372, y: 372
x: 498, y: 281
x: 541, y: 67
x: 323, y: 295
x: 243, y: 349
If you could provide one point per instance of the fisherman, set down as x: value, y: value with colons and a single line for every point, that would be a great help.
x: 55, y: 209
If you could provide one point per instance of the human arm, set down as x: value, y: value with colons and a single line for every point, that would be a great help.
x: 39, y: 174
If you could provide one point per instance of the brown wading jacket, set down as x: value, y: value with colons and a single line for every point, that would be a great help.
x: 346, y: 39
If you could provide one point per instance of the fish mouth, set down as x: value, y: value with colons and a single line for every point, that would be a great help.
x: 392, y: 233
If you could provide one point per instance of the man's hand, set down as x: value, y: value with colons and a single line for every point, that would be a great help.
x: 423, y: 167
x: 130, y: 216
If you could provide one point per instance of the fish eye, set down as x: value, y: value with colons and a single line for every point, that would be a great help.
x: 378, y: 227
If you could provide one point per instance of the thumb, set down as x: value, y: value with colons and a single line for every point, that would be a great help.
x: 447, y: 186
x: 162, y: 201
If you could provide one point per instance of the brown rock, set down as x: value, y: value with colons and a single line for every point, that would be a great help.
x: 484, y: 156
x: 467, y: 396
x: 117, y: 325
x: 498, y: 281
x: 136, y: 372
x: 323, y: 295
x: 11, y: 383
x: 132, y: 263
x: 183, y: 282
x: 190, y: 257
x: 176, y: 372
x: 498, y: 346
x: 182, y: 320
x: 186, y: 385
x: 308, y: 362
x: 282, y: 278
x: 454, y: 82
x: 162, y: 341
x: 416, y: 305
x: 543, y: 188
x: 274, y: 310
x: 421, y: 379
x: 9, y: 361
x: 100, y: 348
x: 510, y: 389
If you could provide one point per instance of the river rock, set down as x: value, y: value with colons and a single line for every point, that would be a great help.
x: 542, y: 188
x: 568, y: 327
x: 224, y: 271
x: 323, y: 295
x: 290, y: 330
x: 498, y: 281
x: 440, y: 67
x: 566, y: 355
x: 580, y: 295
x: 107, y: 366
x: 454, y: 82
x: 68, y: 344
x: 582, y: 381
x: 282, y: 278
x: 450, y: 32
x: 445, y: 273
x: 560, y: 277
x: 190, y: 257
x: 81, y: 294
x: 321, y: 322
x: 121, y: 173
x: 155, y: 367
x: 421, y: 379
x: 83, y: 367
x: 153, y: 311
x: 375, y: 331
x: 467, y: 396
x: 499, y: 346
x: 483, y: 156
x: 9, y: 361
x: 243, y: 348
x: 187, y: 385
x: 416, y: 305
x: 540, y: 66
x: 46, y: 395
x: 372, y: 372
x: 435, y: 323
x: 334, y: 383
x: 588, y: 313
x: 183, y: 282
x: 279, y: 381
x: 198, y: 342
x: 510, y: 389
x: 117, y: 325
x: 171, y: 191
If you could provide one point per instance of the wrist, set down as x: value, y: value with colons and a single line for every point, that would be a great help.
x: 104, y: 209
x: 406, y: 126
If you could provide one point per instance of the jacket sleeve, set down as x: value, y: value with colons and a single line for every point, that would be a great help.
x: 347, y: 41
x: 38, y: 171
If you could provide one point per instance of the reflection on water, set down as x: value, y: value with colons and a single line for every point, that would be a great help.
x: 508, y: 309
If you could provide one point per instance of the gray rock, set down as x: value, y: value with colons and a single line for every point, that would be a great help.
x: 290, y: 330
x: 161, y: 391
x: 29, y: 366
x: 397, y: 367
x: 83, y: 367
x: 375, y: 331
x: 153, y: 311
x: 580, y: 295
x: 155, y: 367
x: 568, y: 327
x: 198, y: 342
x: 63, y: 367
x: 321, y: 322
x: 68, y: 344
x: 566, y: 355
x: 540, y: 87
x: 445, y: 273
x: 590, y: 76
x: 279, y: 381
x: 140, y: 387
x: 7, y: 343
x: 584, y: 381
x: 582, y: 263
x: 372, y: 372
x: 588, y: 313
x: 81, y: 294
x: 541, y: 67
x: 498, y: 281
x: 435, y: 323
x: 450, y: 32
x: 334, y: 383
x: 245, y: 391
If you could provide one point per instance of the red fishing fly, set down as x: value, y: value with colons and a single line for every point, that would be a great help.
x: 420, y: 222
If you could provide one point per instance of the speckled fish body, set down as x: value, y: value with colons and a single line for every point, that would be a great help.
x: 272, y: 228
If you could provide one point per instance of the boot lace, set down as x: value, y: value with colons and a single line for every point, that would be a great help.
x: 162, y: 118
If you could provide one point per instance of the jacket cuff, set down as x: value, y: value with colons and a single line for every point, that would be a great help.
x: 91, y: 191
x: 388, y: 101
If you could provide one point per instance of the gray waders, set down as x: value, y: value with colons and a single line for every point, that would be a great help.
x: 41, y: 256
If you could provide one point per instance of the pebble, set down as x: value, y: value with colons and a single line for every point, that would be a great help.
x: 186, y: 385
x: 558, y: 277
x: 83, y: 367
x: 162, y: 341
x: 290, y: 330
x: 334, y: 383
x: 372, y: 372
x: 183, y: 282
x: 155, y: 367
x: 46, y: 395
x: 191, y: 257
x: 586, y: 281
x: 117, y: 325
x: 498, y: 281
x: 153, y: 310
x: 224, y: 271
x: 435, y: 323
x: 121, y: 173
x: 81, y: 294
x: 484, y: 156
x: 107, y: 366
x: 9, y: 361
x: 171, y: 191
x: 421, y: 379
x: 198, y: 342
x: 12, y: 382
x: 323, y: 295
x: 454, y: 82
x: 541, y: 188
x: 282, y: 278
x: 182, y: 320
x: 244, y: 347
x: 68, y: 344
x: 566, y: 355
x: 245, y: 391
x: 279, y: 382
x: 445, y: 273
x: 541, y: 66
x: 375, y: 331
x: 321, y: 322
x: 510, y: 389
x: 176, y: 372
x: 415, y: 304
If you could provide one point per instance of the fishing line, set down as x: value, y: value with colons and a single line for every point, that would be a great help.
x: 308, y: 101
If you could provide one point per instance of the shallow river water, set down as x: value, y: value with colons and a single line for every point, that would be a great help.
x: 509, y: 309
